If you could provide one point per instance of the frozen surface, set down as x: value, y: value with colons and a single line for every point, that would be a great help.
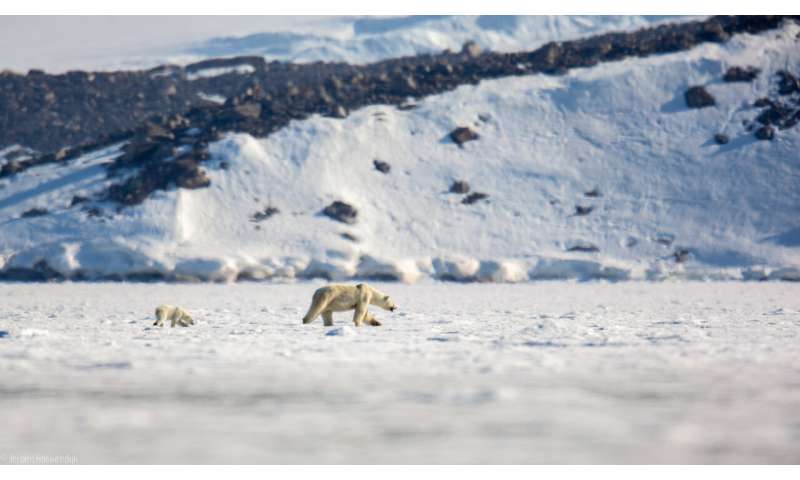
x: 532, y: 373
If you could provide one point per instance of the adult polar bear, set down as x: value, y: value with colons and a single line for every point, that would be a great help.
x: 340, y: 298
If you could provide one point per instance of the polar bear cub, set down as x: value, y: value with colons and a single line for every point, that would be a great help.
x: 340, y: 298
x: 174, y: 314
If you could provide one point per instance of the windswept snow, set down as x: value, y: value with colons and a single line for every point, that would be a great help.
x: 481, y: 373
x: 615, y: 140
x: 59, y: 44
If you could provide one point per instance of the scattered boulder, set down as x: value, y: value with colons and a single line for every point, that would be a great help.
x: 381, y: 166
x: 681, y: 255
x: 10, y: 168
x: 665, y: 239
x: 584, y: 247
x: 763, y: 102
x: 741, y: 74
x: 341, y: 212
x: 474, y: 197
x: 765, y: 133
x: 581, y: 210
x: 593, y: 193
x: 462, y: 135
x: 77, y: 199
x: 34, y: 212
x: 460, y: 187
x: 698, y: 97
x: 264, y: 214
x: 471, y: 49
x: 721, y: 139
x: 787, y: 83
x: 250, y: 109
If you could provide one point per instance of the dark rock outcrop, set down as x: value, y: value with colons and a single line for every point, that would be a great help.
x: 462, y: 135
x: 721, y: 139
x: 459, y: 186
x: 381, y: 166
x: 265, y: 214
x: 581, y: 210
x: 34, y: 212
x: 741, y: 74
x: 765, y: 133
x: 698, y: 97
x: 341, y: 212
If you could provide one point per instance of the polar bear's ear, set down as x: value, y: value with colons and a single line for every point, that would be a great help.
x: 386, y: 298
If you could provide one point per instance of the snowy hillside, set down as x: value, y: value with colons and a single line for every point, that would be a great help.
x: 370, y: 39
x: 601, y: 173
x: 113, y: 43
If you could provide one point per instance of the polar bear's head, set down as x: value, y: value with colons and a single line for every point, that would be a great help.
x: 385, y: 302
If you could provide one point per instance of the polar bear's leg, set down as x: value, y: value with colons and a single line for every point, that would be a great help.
x: 159, y: 318
x: 319, y: 302
x: 362, y: 302
x: 361, y: 312
x: 327, y: 317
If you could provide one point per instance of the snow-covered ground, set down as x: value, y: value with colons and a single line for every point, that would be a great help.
x: 620, y: 130
x: 59, y: 44
x: 533, y: 373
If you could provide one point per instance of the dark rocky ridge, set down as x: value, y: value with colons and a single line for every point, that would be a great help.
x: 170, y: 123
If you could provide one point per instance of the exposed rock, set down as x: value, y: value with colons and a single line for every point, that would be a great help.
x: 461, y: 135
x: 665, y: 239
x: 593, y: 193
x: 251, y: 110
x: 34, y: 212
x: 382, y: 166
x: 741, y: 74
x: 787, y: 83
x: 471, y: 49
x: 459, y: 186
x: 781, y: 115
x: 765, y: 133
x: 264, y: 214
x: 721, y: 138
x: 10, y: 168
x: 41, y: 272
x: 341, y: 212
x: 681, y: 255
x: 581, y: 210
x: 698, y: 97
x: 474, y: 197
x: 77, y: 199
x: 763, y: 102
x: 584, y: 247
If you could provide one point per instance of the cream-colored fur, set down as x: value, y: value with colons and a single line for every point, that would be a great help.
x: 174, y: 314
x: 340, y: 298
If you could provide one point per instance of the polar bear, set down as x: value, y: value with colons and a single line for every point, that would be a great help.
x: 340, y: 298
x: 174, y: 314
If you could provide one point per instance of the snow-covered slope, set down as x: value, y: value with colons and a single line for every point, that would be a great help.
x: 114, y: 43
x: 621, y: 129
x: 371, y: 39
